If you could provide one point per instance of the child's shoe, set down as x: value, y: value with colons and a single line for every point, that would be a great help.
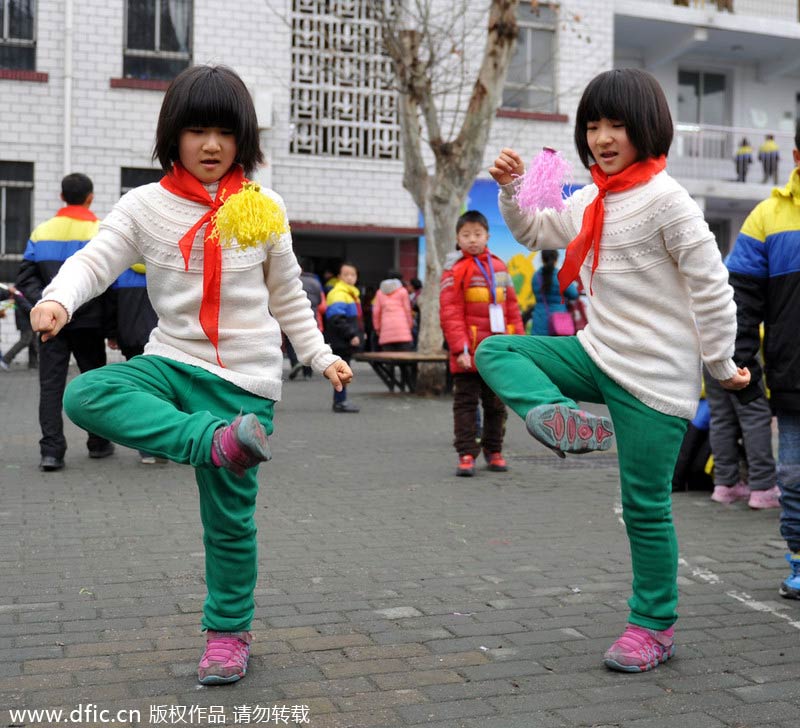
x: 790, y: 587
x: 761, y: 499
x: 241, y: 445
x: 225, y: 658
x: 640, y: 649
x: 731, y: 493
x: 496, y: 461
x: 569, y: 430
x: 466, y: 466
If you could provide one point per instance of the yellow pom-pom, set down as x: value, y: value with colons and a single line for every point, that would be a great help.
x: 138, y: 268
x: 250, y: 218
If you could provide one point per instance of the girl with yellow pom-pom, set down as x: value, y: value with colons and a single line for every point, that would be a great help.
x: 223, y: 279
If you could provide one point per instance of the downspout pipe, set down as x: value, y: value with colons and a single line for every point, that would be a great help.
x: 67, y: 131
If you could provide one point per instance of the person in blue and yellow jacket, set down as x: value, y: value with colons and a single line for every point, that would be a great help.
x: 764, y: 271
x: 743, y: 159
x: 343, y: 325
x: 50, y: 244
x: 769, y: 156
x: 476, y: 300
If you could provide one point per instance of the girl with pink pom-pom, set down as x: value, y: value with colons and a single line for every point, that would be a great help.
x: 660, y: 302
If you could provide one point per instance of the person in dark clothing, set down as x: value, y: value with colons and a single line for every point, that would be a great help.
x: 22, y: 311
x: 50, y: 244
x: 313, y: 289
x: 134, y: 319
x: 344, y: 325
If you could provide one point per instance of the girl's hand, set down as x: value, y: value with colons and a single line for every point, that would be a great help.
x: 507, y: 167
x: 738, y: 381
x: 48, y: 317
x: 339, y: 374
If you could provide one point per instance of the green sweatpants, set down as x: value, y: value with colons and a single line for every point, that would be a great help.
x: 526, y: 371
x: 172, y: 410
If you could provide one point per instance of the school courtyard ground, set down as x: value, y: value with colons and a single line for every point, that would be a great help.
x: 391, y: 593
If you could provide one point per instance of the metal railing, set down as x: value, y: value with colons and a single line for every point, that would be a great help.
x: 776, y: 9
x: 703, y: 151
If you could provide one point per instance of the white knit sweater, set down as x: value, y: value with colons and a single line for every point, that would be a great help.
x: 261, y: 290
x: 661, y: 299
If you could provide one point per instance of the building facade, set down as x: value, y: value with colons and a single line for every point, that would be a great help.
x: 81, y: 85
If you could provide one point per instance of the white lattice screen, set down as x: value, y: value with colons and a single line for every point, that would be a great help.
x: 342, y: 100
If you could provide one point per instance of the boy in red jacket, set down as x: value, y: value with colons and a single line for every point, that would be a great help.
x: 476, y: 299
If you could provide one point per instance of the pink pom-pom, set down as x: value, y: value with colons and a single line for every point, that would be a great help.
x: 542, y: 185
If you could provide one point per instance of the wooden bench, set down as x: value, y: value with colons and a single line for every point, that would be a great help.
x: 399, y: 368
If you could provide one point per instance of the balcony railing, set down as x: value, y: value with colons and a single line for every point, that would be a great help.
x: 776, y: 9
x: 702, y: 151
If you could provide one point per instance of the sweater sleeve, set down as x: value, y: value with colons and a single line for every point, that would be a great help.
x: 97, y: 265
x: 546, y: 229
x: 694, y: 249
x: 290, y: 305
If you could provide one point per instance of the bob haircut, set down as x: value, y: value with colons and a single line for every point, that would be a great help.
x: 633, y: 97
x: 203, y: 96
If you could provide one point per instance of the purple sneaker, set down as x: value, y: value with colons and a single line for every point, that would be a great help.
x: 730, y: 493
x: 640, y: 649
x: 563, y: 429
x: 225, y: 658
x: 762, y: 499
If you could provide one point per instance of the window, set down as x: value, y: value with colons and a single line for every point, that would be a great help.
x: 17, y: 41
x: 702, y: 98
x: 342, y: 101
x: 531, y: 81
x: 16, y: 196
x: 158, y: 38
x: 131, y: 177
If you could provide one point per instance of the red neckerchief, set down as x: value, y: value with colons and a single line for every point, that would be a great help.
x: 184, y: 184
x: 592, y: 227
x: 77, y: 212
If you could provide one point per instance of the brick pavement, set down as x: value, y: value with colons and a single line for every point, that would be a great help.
x: 391, y: 592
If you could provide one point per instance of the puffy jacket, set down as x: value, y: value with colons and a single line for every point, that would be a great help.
x: 391, y: 313
x: 464, y: 299
x: 50, y: 244
x: 764, y: 271
x: 343, y: 317
x: 134, y: 314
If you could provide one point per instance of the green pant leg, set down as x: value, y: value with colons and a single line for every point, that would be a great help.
x: 647, y: 444
x: 172, y: 410
x: 137, y: 403
x: 527, y: 371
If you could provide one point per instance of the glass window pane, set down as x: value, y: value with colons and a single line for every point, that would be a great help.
x: 542, y: 65
x: 689, y: 97
x: 518, y: 69
x: 20, y: 15
x: 176, y: 17
x: 131, y: 177
x: 18, y: 218
x: 713, y: 105
x: 16, y: 172
x: 18, y: 58
x: 152, y: 68
x: 141, y: 27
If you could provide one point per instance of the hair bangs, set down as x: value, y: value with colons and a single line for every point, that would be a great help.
x: 211, y: 101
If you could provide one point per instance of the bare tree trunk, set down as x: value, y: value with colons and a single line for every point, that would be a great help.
x: 457, y: 161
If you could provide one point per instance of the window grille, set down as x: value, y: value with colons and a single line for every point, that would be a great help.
x: 17, y: 35
x: 158, y: 38
x: 342, y: 100
x: 16, y: 198
x: 531, y: 81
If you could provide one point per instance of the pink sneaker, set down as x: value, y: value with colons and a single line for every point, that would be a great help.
x: 761, y: 499
x: 225, y: 658
x: 731, y: 493
x: 640, y: 649
x: 241, y: 445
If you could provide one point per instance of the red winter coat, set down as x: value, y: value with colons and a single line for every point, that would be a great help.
x: 464, y: 300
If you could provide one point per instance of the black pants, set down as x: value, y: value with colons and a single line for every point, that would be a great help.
x: 468, y: 390
x: 89, y: 348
